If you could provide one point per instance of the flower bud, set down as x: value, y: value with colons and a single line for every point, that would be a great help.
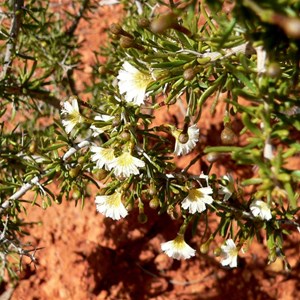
x: 291, y: 26
x: 204, y: 248
x: 143, y: 22
x: 127, y: 42
x: 115, y: 37
x: 33, y: 147
x: 76, y: 194
x: 116, y: 29
x: 163, y: 22
x: 217, y: 251
x: 100, y: 174
x: 154, y: 202
x: 81, y: 160
x: 142, y: 218
x: 73, y: 173
x: 213, y: 157
x: 152, y: 190
x: 228, y: 137
x: 125, y: 136
x: 189, y: 74
x: 102, y: 70
x: 273, y: 70
x: 183, y: 138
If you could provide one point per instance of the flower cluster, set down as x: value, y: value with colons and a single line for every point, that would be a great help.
x: 120, y: 162
x: 123, y: 165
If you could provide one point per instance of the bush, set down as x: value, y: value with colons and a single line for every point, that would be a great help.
x: 241, y: 56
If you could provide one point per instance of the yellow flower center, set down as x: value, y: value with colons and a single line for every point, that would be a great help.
x: 179, y: 242
x: 141, y: 80
x: 195, y: 195
x: 114, y: 200
x: 74, y: 117
x: 125, y: 160
x: 108, y: 154
x: 233, y: 252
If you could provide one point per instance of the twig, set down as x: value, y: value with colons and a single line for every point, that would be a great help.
x: 35, y: 180
x: 42, y: 95
x: 70, y: 31
x: 13, y: 35
x: 73, y: 150
x: 245, y: 48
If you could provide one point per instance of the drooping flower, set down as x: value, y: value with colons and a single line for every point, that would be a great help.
x: 103, y: 157
x: 229, y: 254
x: 73, y: 116
x: 185, y: 148
x: 197, y: 199
x: 111, y: 206
x: 133, y: 83
x: 126, y: 165
x: 104, y: 118
x: 228, y: 189
x: 178, y: 248
x: 261, y: 210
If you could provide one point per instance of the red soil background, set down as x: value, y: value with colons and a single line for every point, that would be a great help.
x: 87, y: 256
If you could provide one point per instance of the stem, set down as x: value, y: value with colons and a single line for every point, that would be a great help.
x: 39, y: 94
x: 70, y: 31
x: 35, y: 180
x: 13, y: 35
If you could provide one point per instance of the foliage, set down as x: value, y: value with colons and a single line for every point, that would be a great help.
x: 164, y: 54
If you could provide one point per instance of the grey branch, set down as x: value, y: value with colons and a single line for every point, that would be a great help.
x: 13, y: 35
x: 35, y: 180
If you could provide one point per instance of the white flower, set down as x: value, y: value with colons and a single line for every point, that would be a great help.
x: 111, y: 206
x: 96, y: 130
x: 228, y: 189
x: 193, y: 137
x: 261, y: 210
x: 133, y: 83
x: 197, y: 199
x: 178, y: 248
x: 73, y: 116
x: 102, y: 157
x: 126, y: 164
x: 229, y: 254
